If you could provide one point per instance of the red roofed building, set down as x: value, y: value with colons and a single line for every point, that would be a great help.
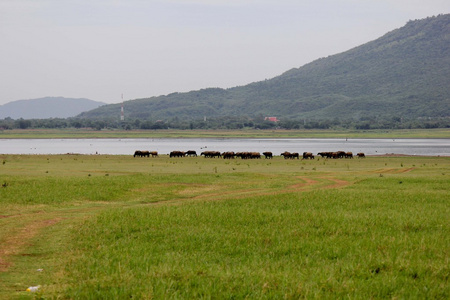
x: 272, y: 119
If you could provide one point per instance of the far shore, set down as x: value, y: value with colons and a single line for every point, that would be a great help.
x: 443, y: 133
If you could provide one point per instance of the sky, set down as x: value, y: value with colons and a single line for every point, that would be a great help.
x: 103, y: 49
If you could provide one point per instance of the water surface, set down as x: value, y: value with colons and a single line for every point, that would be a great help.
x: 428, y: 147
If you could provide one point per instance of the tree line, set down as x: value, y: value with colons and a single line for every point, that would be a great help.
x: 229, y: 123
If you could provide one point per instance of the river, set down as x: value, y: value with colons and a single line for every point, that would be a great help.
x: 426, y: 147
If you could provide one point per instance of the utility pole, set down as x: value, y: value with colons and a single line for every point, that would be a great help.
x: 122, y: 117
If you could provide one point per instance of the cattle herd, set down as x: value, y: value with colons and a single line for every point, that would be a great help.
x: 139, y: 153
x: 250, y: 155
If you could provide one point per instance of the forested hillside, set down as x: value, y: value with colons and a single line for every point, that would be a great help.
x: 404, y: 74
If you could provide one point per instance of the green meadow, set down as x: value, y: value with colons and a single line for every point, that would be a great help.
x: 73, y: 133
x: 118, y: 227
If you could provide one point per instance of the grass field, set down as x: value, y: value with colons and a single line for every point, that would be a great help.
x: 245, y: 133
x: 116, y: 227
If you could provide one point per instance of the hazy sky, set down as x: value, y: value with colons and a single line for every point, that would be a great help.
x: 99, y: 49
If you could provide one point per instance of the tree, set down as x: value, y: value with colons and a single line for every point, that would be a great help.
x: 23, y: 124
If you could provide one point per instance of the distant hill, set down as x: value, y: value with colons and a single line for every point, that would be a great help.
x: 48, y: 107
x: 405, y: 73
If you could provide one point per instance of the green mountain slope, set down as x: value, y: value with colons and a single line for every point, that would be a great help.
x: 405, y: 73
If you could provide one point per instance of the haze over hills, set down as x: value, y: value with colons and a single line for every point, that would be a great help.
x: 405, y: 74
x: 48, y: 107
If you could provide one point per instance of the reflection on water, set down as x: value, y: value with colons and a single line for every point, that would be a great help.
x: 429, y: 147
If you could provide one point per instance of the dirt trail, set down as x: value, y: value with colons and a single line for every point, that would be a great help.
x: 308, y: 183
x: 18, y: 240
x: 338, y: 183
x: 321, y: 182
x: 393, y: 170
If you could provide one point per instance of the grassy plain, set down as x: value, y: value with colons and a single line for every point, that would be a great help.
x: 117, y: 227
x: 250, y: 133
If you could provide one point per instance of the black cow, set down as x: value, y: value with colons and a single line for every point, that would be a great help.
x: 340, y: 154
x: 326, y: 154
x: 191, y: 153
x: 286, y: 154
x: 228, y: 155
x: 255, y: 155
x: 140, y: 153
x: 308, y: 155
x: 290, y: 155
x: 268, y: 155
x: 177, y: 154
x: 211, y: 154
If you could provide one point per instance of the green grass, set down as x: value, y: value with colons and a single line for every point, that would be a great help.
x: 120, y: 227
x: 258, y: 248
x: 245, y: 133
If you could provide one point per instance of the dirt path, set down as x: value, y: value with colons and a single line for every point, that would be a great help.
x: 307, y: 183
x: 321, y: 182
x: 29, y: 225
x: 393, y: 170
x: 18, y: 239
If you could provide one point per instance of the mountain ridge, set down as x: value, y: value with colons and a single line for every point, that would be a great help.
x: 404, y: 74
x: 326, y: 74
x: 47, y: 107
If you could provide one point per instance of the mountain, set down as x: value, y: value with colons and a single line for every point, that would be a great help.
x: 48, y: 107
x: 404, y: 74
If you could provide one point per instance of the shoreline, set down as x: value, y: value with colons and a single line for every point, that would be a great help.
x: 164, y: 155
x: 404, y: 155
x: 441, y: 133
